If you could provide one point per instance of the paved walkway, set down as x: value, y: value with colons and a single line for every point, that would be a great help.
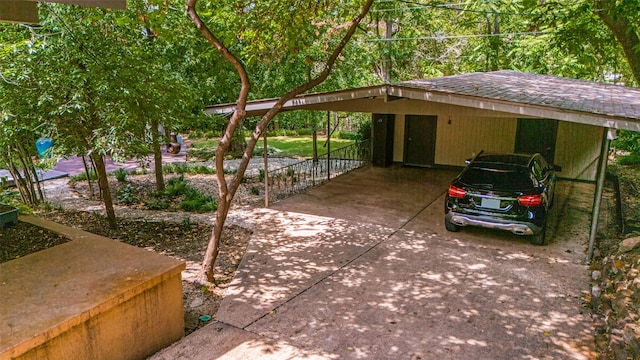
x: 346, y: 277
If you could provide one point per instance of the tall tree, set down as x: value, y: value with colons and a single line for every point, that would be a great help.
x: 623, y: 19
x: 94, y: 82
x: 296, y: 29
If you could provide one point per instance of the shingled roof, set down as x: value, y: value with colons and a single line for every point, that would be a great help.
x: 548, y: 91
x: 507, y: 92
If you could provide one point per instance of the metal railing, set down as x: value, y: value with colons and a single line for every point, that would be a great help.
x: 295, y: 178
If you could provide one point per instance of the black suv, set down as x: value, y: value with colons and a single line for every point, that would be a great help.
x: 503, y: 191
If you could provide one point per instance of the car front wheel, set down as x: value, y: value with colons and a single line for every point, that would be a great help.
x: 451, y: 226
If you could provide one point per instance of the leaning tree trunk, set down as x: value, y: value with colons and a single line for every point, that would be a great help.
x: 103, y: 182
x: 19, y: 181
x: 228, y: 190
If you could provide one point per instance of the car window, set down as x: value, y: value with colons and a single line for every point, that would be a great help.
x: 495, y: 179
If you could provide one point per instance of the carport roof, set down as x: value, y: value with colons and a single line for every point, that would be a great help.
x: 520, y: 94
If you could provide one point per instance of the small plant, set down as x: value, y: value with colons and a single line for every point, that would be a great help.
x: 198, y: 202
x: 261, y: 175
x: 176, y: 186
x: 24, y: 209
x: 255, y: 190
x: 127, y: 195
x: 46, y: 206
x: 631, y: 159
x: 120, y: 174
x: 83, y: 176
x: 160, y: 204
x: 96, y: 214
x: 8, y: 196
x: 186, y: 223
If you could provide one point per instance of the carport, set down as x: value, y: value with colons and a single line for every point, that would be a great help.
x: 440, y: 122
x: 346, y: 270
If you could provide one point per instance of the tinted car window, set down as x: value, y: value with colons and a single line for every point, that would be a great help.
x: 497, y: 179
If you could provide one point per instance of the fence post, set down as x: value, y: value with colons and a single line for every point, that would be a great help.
x: 328, y: 145
x: 266, y: 171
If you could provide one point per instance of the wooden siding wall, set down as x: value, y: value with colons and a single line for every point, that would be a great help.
x: 466, y: 136
x: 578, y: 149
x: 398, y: 140
x: 577, y: 145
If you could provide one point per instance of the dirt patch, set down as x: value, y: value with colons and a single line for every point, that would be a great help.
x: 23, y: 239
x: 615, y: 272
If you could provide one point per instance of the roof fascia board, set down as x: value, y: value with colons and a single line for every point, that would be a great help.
x: 262, y: 106
x: 514, y: 108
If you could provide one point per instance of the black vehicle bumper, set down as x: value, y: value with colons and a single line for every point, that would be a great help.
x: 516, y: 227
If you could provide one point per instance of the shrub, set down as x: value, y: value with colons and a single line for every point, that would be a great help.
x: 364, y: 131
x: 120, y: 174
x: 160, y: 204
x: 127, y: 195
x: 255, y: 190
x: 631, y: 159
x: 349, y: 135
x: 83, y: 176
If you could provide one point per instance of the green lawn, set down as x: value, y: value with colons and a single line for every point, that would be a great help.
x: 280, y: 146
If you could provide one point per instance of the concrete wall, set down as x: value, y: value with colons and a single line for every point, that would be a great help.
x: 89, y: 298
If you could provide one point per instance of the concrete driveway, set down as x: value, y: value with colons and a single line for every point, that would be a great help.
x: 362, y: 267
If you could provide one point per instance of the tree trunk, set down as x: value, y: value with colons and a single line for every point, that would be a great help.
x: 92, y: 194
x: 157, y: 155
x: 103, y: 182
x: 228, y: 190
x: 621, y: 27
x: 27, y: 175
x: 19, y: 181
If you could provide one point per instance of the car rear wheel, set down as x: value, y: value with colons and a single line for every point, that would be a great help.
x: 539, y: 238
x: 451, y: 226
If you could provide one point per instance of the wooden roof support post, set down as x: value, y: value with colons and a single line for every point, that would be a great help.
x: 609, y: 134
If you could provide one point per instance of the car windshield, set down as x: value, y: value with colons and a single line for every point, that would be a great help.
x: 497, y: 179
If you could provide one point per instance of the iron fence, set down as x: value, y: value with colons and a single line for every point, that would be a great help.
x: 295, y: 178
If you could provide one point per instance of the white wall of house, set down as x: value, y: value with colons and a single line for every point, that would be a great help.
x: 577, y: 150
x: 461, y: 134
x: 466, y: 136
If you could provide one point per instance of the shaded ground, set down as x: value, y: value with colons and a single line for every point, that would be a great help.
x: 362, y: 267
x: 186, y: 239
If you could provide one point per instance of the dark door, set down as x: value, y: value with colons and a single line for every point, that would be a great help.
x: 382, y: 151
x: 537, y: 136
x: 420, y: 140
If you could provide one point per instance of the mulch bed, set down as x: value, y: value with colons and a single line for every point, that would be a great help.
x: 23, y: 239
